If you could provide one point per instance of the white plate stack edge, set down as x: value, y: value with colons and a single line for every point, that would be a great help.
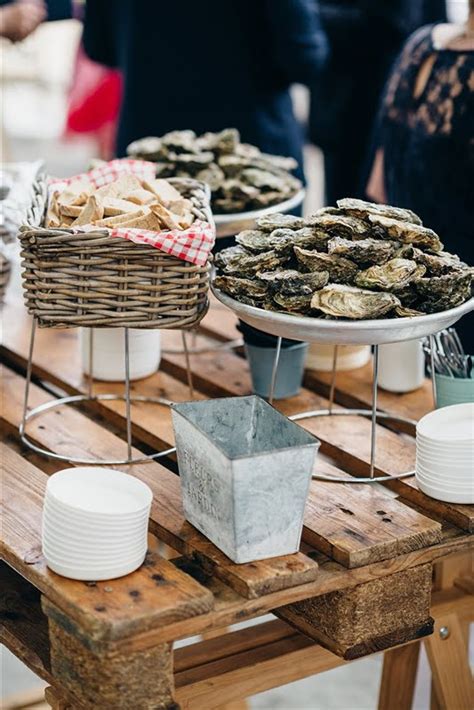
x: 95, y: 523
x: 445, y: 454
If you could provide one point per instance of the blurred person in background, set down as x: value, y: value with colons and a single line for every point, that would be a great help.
x: 365, y: 37
x: 425, y: 139
x: 19, y: 19
x: 209, y: 66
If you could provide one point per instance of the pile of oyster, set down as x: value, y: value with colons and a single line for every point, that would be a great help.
x: 241, y: 178
x: 358, y: 260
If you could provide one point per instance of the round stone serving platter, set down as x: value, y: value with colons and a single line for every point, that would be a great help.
x: 338, y: 332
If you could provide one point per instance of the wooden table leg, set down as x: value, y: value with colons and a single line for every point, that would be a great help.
x: 446, y: 574
x: 397, y: 687
x: 103, y: 677
x: 447, y: 654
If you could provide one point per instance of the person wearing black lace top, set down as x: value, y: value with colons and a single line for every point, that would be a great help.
x: 425, y: 155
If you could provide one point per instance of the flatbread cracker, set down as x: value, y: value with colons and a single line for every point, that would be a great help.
x: 91, y: 212
x: 112, y: 222
x: 115, y: 206
x: 122, y: 186
x: 140, y: 196
x: 164, y: 191
x: 53, y: 219
x: 147, y: 221
x: 181, y: 206
x: 167, y: 218
x: 70, y: 210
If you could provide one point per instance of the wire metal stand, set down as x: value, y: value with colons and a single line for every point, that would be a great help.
x: 36, y: 412
x: 374, y: 414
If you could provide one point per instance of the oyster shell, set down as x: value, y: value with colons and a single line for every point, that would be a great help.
x: 256, y: 241
x: 363, y: 209
x: 269, y: 222
x: 238, y: 287
x: 264, y: 180
x: 294, y: 282
x: 407, y: 233
x: 180, y: 141
x: 229, y: 256
x: 354, y: 303
x: 404, y: 312
x: 365, y: 251
x: 311, y: 237
x: 300, y: 303
x: 340, y: 270
x: 438, y: 264
x: 340, y: 225
x: 439, y: 293
x: 391, y: 276
x: 251, y: 264
x: 213, y: 175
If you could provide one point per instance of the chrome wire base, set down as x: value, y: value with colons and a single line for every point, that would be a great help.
x: 127, y: 398
x: 373, y: 413
x: 74, y: 399
x: 351, y: 413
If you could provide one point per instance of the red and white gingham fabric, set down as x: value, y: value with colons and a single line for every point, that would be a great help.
x: 193, y: 245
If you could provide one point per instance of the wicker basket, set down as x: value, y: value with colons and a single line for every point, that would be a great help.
x: 91, y: 279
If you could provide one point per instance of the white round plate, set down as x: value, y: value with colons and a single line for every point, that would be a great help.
x: 360, y: 332
x: 453, y: 424
x: 89, y: 574
x: 447, y: 497
x: 93, y: 490
x: 94, y: 522
x: 85, y: 560
x: 229, y: 224
x: 443, y: 478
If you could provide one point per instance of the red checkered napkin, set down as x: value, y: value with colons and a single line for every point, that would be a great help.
x: 108, y: 172
x: 193, y: 245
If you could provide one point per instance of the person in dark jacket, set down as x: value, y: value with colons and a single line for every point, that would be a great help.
x: 208, y: 65
x: 365, y: 37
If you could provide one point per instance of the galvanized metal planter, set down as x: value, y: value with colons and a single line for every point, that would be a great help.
x: 245, y: 471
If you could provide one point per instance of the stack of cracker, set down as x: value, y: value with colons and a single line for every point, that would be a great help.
x: 127, y: 202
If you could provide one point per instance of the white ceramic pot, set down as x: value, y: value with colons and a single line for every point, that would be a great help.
x: 321, y: 356
x: 109, y: 353
x: 401, y: 366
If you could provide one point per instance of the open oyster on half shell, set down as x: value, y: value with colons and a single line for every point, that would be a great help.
x: 342, y: 301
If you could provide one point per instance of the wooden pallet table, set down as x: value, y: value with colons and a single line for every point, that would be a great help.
x: 381, y: 568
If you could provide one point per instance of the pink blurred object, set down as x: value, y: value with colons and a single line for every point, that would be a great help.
x: 94, y: 102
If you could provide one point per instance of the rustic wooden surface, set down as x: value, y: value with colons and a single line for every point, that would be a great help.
x: 370, y: 617
x: 354, y: 536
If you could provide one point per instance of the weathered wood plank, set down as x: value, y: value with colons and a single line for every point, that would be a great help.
x: 358, y: 525
x: 110, y: 680
x: 57, y: 432
x: 155, y: 594
x: 397, y: 686
x: 24, y: 627
x: 369, y: 618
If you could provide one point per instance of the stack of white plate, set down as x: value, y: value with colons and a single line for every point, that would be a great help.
x: 445, y: 454
x: 95, y: 523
